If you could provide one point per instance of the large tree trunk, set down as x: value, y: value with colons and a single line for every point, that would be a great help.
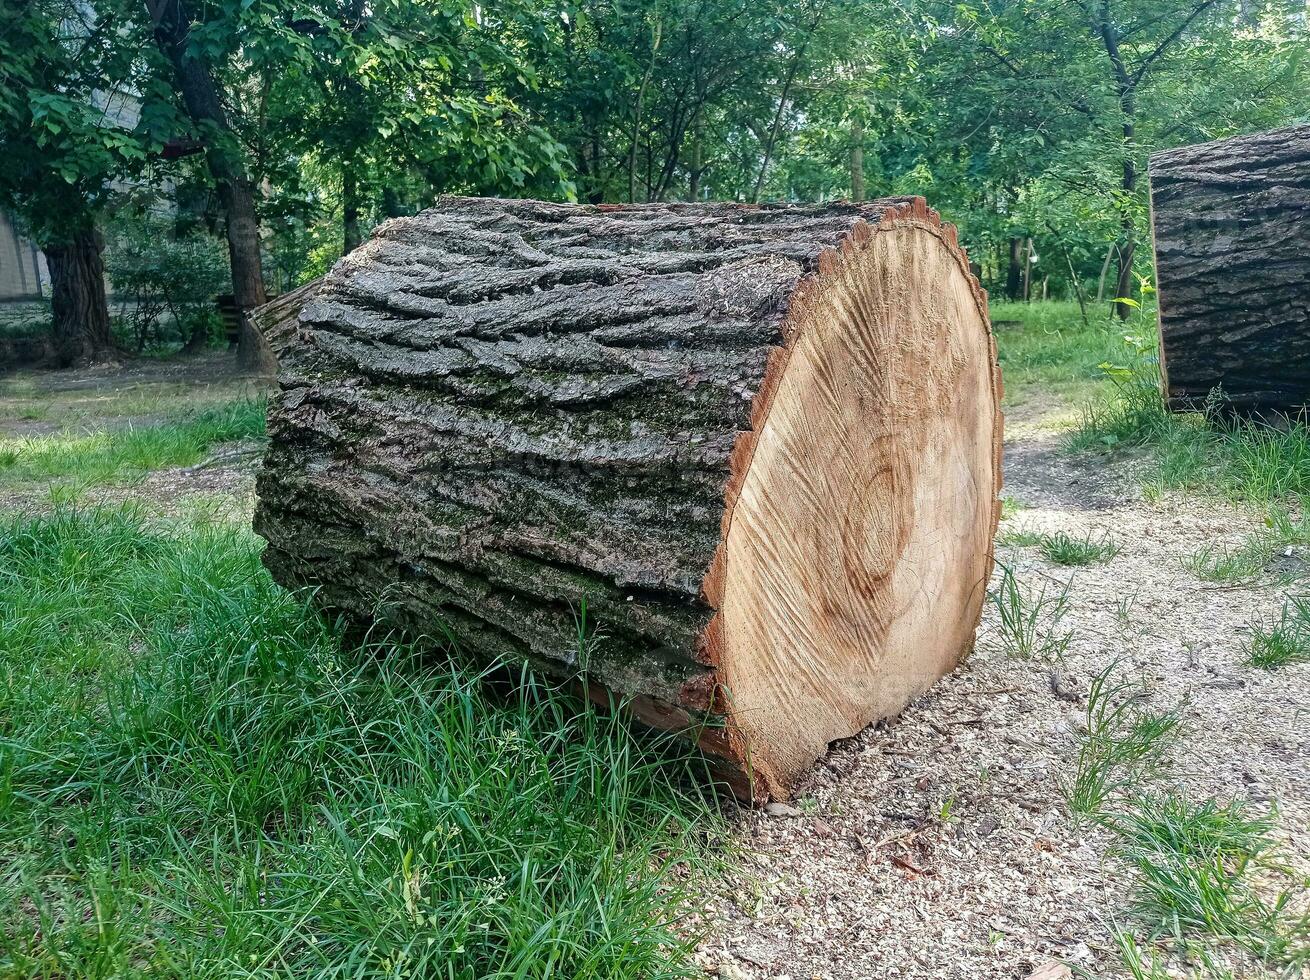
x: 756, y: 450
x: 78, y: 305
x: 1232, y: 257
x: 195, y: 82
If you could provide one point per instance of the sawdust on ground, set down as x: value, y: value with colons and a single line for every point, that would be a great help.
x: 939, y: 846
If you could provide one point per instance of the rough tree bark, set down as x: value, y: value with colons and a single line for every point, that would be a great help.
x: 195, y: 81
x: 279, y: 320
x: 1232, y: 255
x: 760, y: 446
x: 78, y: 305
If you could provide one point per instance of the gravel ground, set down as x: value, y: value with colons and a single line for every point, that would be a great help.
x: 938, y: 846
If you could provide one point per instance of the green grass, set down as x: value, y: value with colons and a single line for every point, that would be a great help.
x: 1141, y: 964
x: 1112, y: 367
x: 1204, y: 872
x: 1243, y: 461
x: 1258, y: 553
x: 1028, y: 619
x: 1121, y: 743
x: 111, y: 455
x: 1010, y: 505
x: 1283, y: 642
x: 1019, y: 539
x: 197, y: 779
x: 1221, y: 563
x: 1062, y: 548
x: 1046, y: 347
x: 1131, y: 411
x: 1196, y: 867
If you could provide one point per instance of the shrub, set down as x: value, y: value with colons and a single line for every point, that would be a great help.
x: 157, y: 272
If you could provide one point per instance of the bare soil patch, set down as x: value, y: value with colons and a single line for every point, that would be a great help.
x: 141, y: 391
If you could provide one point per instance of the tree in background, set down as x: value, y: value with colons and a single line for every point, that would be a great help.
x: 394, y: 97
x: 1010, y: 116
x: 354, y: 107
x: 1027, y: 122
x: 192, y: 48
x: 1056, y: 106
x: 68, y: 77
x: 665, y: 99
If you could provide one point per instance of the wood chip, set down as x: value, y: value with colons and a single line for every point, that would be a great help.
x: 1051, y: 970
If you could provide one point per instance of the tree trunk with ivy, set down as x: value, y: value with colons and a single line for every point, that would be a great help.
x: 738, y: 464
x: 1232, y: 256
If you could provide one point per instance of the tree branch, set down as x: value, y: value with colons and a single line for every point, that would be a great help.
x: 1168, y: 42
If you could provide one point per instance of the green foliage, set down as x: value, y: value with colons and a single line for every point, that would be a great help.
x: 198, y: 779
x: 1028, y: 124
x: 65, y: 69
x: 157, y: 270
x: 410, y: 98
x: 1029, y: 620
x: 30, y: 319
x: 1133, y: 412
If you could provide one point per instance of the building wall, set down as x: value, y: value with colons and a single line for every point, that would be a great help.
x: 23, y: 274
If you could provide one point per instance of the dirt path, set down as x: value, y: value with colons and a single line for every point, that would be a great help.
x: 940, y: 847
x: 141, y: 391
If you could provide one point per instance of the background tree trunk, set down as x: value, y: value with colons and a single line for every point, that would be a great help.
x: 857, y: 161
x: 79, y: 307
x: 755, y: 449
x: 352, y: 234
x: 1127, y: 249
x: 195, y: 81
x: 1232, y: 258
x: 1014, y: 271
x: 696, y: 166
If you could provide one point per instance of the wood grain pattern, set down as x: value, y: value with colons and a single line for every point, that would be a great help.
x: 1231, y: 222
x: 761, y: 444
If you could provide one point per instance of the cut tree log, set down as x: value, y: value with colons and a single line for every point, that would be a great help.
x: 738, y: 464
x: 1231, y: 222
x: 279, y: 319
